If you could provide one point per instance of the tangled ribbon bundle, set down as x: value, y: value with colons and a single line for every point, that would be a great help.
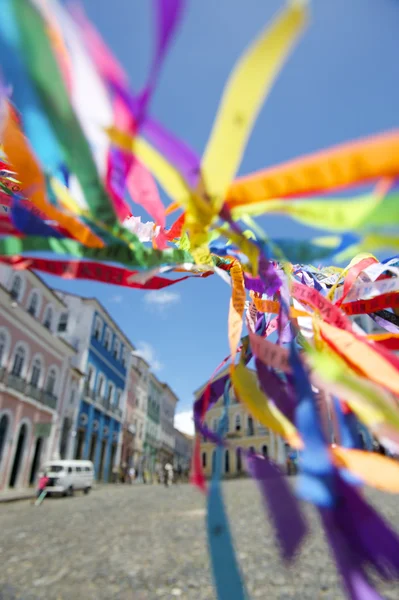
x: 77, y: 142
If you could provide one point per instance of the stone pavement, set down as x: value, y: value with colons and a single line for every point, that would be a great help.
x: 148, y: 542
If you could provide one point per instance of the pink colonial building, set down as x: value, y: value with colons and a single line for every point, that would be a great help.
x: 39, y: 386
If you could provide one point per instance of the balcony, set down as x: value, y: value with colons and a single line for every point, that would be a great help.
x: 33, y: 392
x: 17, y: 383
x: 49, y: 399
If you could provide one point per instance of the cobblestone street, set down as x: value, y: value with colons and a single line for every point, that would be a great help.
x: 148, y: 542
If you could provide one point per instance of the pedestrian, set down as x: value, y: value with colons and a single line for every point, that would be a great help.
x: 115, y: 473
x: 132, y: 473
x: 168, y: 474
x: 41, y: 488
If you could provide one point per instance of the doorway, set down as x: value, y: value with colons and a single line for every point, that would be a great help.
x: 111, y: 462
x: 80, y: 439
x: 18, y: 455
x: 36, y: 460
x: 4, y: 425
x: 93, y: 446
x: 66, y: 427
x: 102, y: 457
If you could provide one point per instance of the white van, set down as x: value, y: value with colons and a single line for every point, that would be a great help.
x: 67, y: 476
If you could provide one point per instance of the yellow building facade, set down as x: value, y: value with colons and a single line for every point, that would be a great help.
x: 243, y: 432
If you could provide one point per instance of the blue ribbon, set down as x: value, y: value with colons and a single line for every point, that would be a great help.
x: 35, y: 122
x: 226, y: 572
x: 317, y: 473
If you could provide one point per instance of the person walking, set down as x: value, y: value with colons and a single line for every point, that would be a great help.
x: 41, y: 489
x: 132, y: 473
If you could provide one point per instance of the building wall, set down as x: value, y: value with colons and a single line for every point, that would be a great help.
x: 141, y: 378
x: 130, y: 426
x: 167, y: 417
x: 153, y: 426
x: 104, y: 358
x: 32, y: 388
x: 243, y: 431
x: 183, y: 451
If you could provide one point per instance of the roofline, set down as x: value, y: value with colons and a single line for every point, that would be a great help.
x: 51, y: 290
x: 57, y: 337
x: 128, y: 342
x: 92, y: 299
x: 166, y: 385
x: 186, y: 435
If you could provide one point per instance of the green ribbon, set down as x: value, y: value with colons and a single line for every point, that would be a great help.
x: 117, y: 253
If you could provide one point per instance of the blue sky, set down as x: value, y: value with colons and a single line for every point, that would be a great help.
x: 340, y: 83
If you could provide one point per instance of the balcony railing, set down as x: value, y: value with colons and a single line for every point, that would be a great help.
x: 33, y: 391
x: 19, y: 384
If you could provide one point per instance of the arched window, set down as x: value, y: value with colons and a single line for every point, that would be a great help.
x: 33, y: 304
x: 72, y: 396
x: 19, y: 360
x: 110, y: 393
x: 250, y: 426
x: 117, y: 347
x: 226, y: 461
x: 63, y: 322
x: 51, y: 381
x: 118, y: 398
x: 238, y: 423
x: 238, y: 460
x: 48, y: 318
x: 16, y: 287
x: 98, y: 328
x: 36, y: 372
x: 4, y: 425
x: 100, y: 385
x: 107, y: 338
x: 252, y: 450
x: 90, y: 378
x: 3, y: 347
x: 204, y: 459
x: 265, y: 451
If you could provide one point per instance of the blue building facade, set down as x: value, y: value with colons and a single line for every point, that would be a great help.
x: 101, y: 410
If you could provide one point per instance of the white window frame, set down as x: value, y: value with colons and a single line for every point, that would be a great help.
x: 100, y: 384
x: 39, y: 359
x: 91, y: 376
x: 52, y: 369
x: 24, y: 369
x: 63, y: 318
x: 6, y: 351
x: 33, y: 293
x: 110, y: 393
x: 49, y: 309
x: 21, y: 292
x: 98, y: 324
x: 108, y: 338
x: 117, y: 348
x: 237, y: 422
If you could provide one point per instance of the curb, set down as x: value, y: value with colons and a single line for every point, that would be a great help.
x: 7, y: 500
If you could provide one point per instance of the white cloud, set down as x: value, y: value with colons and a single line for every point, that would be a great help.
x: 146, y: 351
x: 161, y: 299
x: 116, y: 299
x: 184, y: 422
